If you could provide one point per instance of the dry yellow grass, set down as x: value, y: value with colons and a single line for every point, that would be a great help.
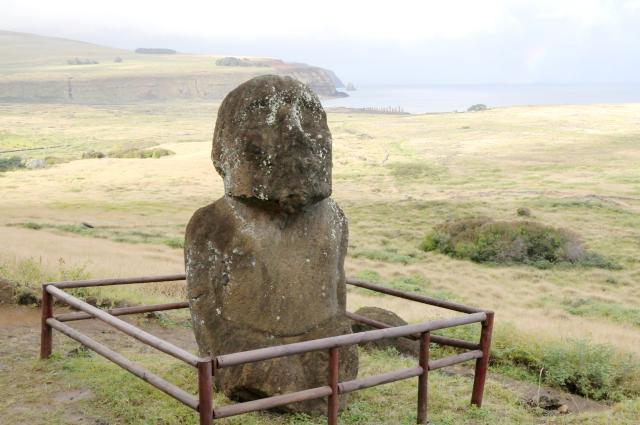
x: 395, y: 176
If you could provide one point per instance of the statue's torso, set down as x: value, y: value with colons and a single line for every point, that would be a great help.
x: 282, y: 275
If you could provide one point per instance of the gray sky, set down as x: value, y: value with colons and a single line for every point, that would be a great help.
x: 371, y: 42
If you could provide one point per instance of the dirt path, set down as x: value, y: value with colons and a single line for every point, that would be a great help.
x: 28, y: 390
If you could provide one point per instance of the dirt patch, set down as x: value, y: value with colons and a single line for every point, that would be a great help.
x: 72, y: 396
x: 30, y: 391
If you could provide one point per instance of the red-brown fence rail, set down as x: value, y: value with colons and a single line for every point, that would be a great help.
x: 206, y: 366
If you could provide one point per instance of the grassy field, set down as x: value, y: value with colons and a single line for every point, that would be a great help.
x: 396, y: 177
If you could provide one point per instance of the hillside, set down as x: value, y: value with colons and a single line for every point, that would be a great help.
x: 37, y: 69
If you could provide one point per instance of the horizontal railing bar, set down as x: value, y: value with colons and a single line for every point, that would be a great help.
x: 451, y: 360
x: 454, y: 342
x: 121, y: 311
x: 233, y: 359
x: 385, y: 378
x: 117, y: 281
x: 270, y: 402
x: 441, y: 340
x: 164, y: 386
x: 125, y: 327
x: 414, y: 297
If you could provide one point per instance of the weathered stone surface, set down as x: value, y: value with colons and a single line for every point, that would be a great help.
x: 272, y: 143
x: 265, y: 263
x: 257, y: 277
x: 403, y: 345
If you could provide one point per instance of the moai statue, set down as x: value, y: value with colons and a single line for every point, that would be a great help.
x: 265, y: 263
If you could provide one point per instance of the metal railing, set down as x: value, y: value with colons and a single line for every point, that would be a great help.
x: 207, y: 366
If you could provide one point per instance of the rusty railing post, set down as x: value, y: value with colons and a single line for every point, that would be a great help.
x: 334, y: 402
x: 205, y: 391
x: 423, y: 380
x: 46, y: 333
x: 482, y: 364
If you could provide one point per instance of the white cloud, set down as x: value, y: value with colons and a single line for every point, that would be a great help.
x: 401, y: 40
x: 400, y: 20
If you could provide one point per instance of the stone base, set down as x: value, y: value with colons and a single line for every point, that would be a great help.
x: 285, y: 374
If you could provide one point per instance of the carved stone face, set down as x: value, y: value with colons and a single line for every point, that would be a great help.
x: 272, y: 144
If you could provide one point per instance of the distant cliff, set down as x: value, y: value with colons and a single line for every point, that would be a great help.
x: 132, y: 88
x: 41, y: 69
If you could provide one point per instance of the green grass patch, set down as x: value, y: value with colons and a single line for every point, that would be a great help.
x: 122, y: 398
x: 140, y: 153
x: 387, y: 254
x: 414, y: 170
x: 31, y: 225
x: 411, y: 283
x: 174, y: 243
x: 112, y: 233
x: 607, y: 310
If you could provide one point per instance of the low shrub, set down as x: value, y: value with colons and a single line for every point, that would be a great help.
x: 596, y: 371
x: 30, y: 273
x: 92, y: 154
x: 591, y: 370
x: 11, y: 163
x: 478, y: 107
x: 525, y: 242
x: 80, y: 61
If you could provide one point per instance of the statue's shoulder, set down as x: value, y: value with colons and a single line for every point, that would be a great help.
x: 210, y: 221
x: 335, y: 212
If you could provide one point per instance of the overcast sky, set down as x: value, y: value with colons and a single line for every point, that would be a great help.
x: 370, y: 42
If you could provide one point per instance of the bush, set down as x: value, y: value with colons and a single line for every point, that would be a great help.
x: 591, y: 370
x: 486, y: 241
x: 596, y: 371
x: 11, y: 163
x: 477, y: 107
x: 524, y: 212
x: 77, y: 61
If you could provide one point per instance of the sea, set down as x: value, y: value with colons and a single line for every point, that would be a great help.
x: 451, y: 98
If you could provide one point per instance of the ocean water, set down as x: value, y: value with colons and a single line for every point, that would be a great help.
x: 448, y: 98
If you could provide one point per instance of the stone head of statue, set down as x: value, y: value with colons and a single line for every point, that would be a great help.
x: 272, y: 144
